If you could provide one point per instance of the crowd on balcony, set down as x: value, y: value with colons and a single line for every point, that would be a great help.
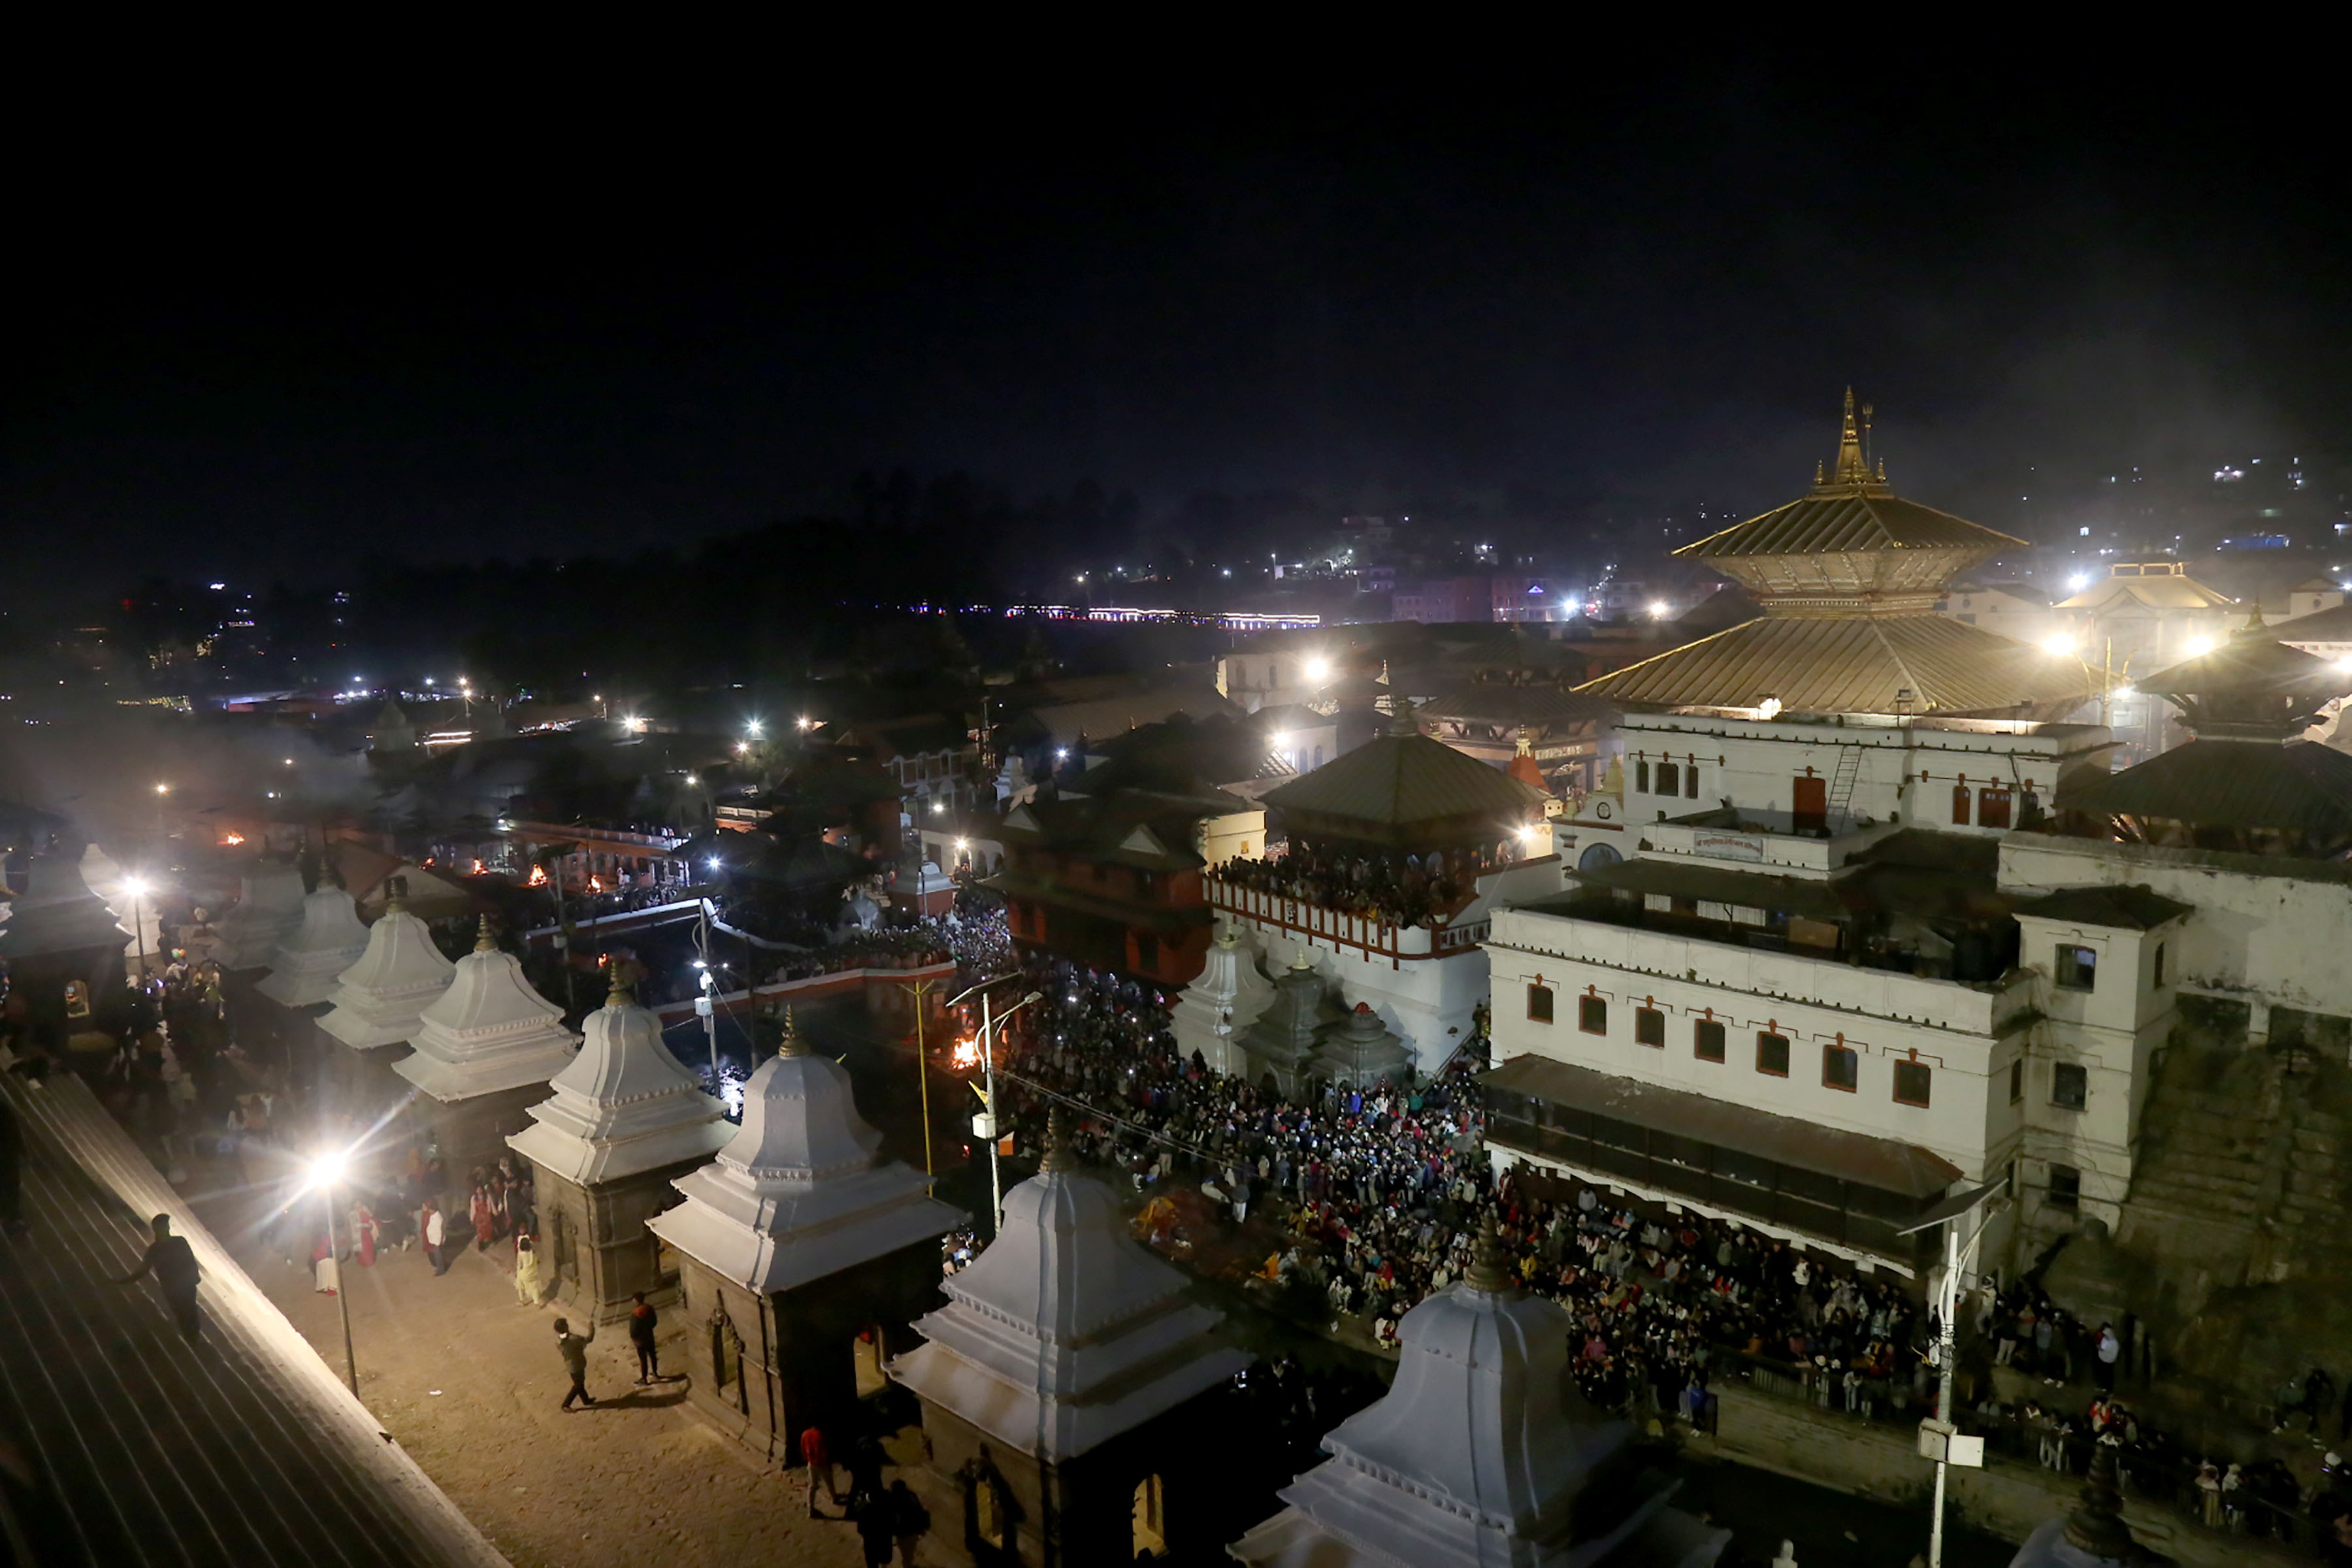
x: 1398, y: 891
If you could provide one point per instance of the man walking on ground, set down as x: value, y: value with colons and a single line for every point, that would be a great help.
x: 819, y: 1461
x: 2110, y: 1351
x: 641, y: 1319
x: 574, y: 1348
x: 173, y: 1263
x: 435, y: 1232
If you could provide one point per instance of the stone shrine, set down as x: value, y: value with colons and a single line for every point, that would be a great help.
x: 1484, y: 1451
x: 378, y: 1003
x: 484, y: 1052
x: 625, y: 1119
x: 799, y: 1255
x: 1062, y: 1387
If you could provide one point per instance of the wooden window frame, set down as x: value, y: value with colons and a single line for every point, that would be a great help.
x: 1698, y: 1033
x: 1835, y: 1051
x: 1762, y: 1036
x: 1653, y: 1021
x: 1929, y: 1079
x: 1587, y: 1007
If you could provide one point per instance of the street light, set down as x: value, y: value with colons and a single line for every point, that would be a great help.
x: 753, y: 728
x: 1949, y: 1447
x: 985, y: 1123
x: 326, y: 1170
x: 137, y: 887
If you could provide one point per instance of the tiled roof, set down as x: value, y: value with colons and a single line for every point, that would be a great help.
x: 2298, y: 787
x: 1849, y: 521
x: 2251, y: 662
x: 1856, y: 665
x: 2120, y: 908
x: 1398, y: 781
x: 143, y: 1449
x: 2330, y: 625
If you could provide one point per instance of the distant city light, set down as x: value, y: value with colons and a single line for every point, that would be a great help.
x: 215, y: 587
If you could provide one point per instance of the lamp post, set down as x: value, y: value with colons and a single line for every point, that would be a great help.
x: 137, y: 887
x: 919, y: 989
x: 1949, y: 1214
x: 989, y: 1022
x: 325, y: 1171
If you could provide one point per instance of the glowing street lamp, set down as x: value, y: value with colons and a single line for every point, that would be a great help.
x: 753, y: 728
x: 137, y: 888
x: 326, y: 1170
x: 985, y: 1123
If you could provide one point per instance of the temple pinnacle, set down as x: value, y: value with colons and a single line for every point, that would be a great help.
x: 792, y: 1044
x: 1057, y: 1143
x: 483, y: 941
x: 1490, y: 1266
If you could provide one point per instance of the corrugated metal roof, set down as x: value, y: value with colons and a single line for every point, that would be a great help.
x: 2298, y: 787
x: 144, y: 1449
x: 1397, y: 781
x: 2251, y: 662
x: 1856, y: 665
x: 1850, y: 520
x: 2156, y: 592
x: 2330, y: 625
x: 1878, y: 1163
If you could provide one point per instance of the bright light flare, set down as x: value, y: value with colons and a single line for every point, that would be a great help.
x: 1660, y: 609
x: 135, y: 886
x: 2059, y: 644
x: 1319, y: 669
x: 754, y: 728
x: 965, y: 1055
x: 2200, y: 647
x: 330, y: 1167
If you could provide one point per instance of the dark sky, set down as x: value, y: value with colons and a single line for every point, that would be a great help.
x: 269, y: 338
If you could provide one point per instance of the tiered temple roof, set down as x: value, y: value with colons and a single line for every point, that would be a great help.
x: 490, y: 1031
x: 623, y: 1106
x: 329, y: 939
x: 1404, y: 791
x: 1847, y: 576
x: 1065, y: 1332
x: 1483, y: 1451
x: 379, y: 1000
x: 795, y: 1193
x: 266, y: 913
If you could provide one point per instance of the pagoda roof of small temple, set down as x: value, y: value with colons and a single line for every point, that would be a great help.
x: 1403, y: 790
x: 57, y: 912
x: 1483, y: 1451
x: 1847, y: 576
x: 795, y: 1193
x: 307, y: 961
x: 267, y: 911
x: 623, y: 1106
x: 379, y: 1000
x: 490, y: 1031
x: 1066, y: 1331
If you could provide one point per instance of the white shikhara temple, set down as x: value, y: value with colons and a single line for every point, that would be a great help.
x: 267, y: 912
x: 1483, y: 1453
x: 626, y: 1119
x: 623, y: 1106
x: 380, y: 1000
x: 307, y: 961
x: 798, y: 1249
x: 489, y: 1032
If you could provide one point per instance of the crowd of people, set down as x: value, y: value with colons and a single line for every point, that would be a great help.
x: 1366, y: 1200
x: 1396, y: 889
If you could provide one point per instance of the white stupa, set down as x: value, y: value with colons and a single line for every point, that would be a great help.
x: 1481, y: 1454
x: 795, y: 1194
x: 623, y: 1106
x: 1066, y: 1331
x: 328, y: 940
x: 490, y: 1031
x: 379, y: 1000
x: 266, y: 913
x: 1226, y: 998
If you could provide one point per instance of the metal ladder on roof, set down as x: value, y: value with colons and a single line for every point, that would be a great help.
x: 1841, y: 783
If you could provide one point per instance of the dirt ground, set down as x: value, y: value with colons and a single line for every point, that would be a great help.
x: 467, y: 1378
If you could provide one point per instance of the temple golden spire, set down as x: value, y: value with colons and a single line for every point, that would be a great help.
x: 1058, y: 1156
x: 2254, y: 622
x: 623, y: 989
x: 1853, y: 468
x: 792, y: 1044
x: 483, y: 941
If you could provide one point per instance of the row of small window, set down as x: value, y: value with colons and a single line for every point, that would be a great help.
x: 1841, y: 1064
x: 1672, y: 778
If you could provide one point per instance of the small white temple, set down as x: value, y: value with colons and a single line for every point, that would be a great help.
x: 483, y: 1052
x: 1227, y: 998
x: 625, y: 1119
x: 307, y: 961
x: 490, y: 1031
x: 379, y: 1000
x: 1482, y: 1452
x: 102, y: 874
x: 264, y: 915
x: 1055, y: 1372
x: 796, y: 1200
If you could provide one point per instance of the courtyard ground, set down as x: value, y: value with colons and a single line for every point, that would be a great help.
x: 468, y: 1379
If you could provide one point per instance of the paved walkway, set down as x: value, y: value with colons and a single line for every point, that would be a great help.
x: 467, y: 1378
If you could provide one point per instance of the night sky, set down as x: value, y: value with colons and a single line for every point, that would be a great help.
x: 254, y: 343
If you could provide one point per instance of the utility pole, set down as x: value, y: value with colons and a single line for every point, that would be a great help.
x: 986, y: 1124
x: 1936, y: 1438
x: 919, y: 989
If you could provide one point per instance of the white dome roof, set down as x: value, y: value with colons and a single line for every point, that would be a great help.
x: 490, y: 1031
x: 378, y: 1000
x: 1066, y: 1331
x: 1477, y: 1455
x: 625, y: 1104
x: 328, y: 940
x: 795, y: 1194
x: 270, y: 909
